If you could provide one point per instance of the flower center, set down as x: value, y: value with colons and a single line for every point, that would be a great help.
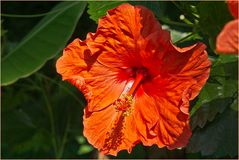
x: 125, y: 101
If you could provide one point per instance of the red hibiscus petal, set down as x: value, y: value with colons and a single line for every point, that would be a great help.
x: 195, y: 69
x: 99, y: 84
x: 227, y: 41
x: 109, y: 131
x: 233, y: 7
x: 160, y: 121
x: 163, y: 102
x: 131, y: 31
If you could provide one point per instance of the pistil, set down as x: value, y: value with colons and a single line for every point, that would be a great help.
x: 138, y: 79
x: 125, y: 101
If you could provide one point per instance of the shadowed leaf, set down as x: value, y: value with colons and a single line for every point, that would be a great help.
x: 210, y: 22
x: 218, y: 138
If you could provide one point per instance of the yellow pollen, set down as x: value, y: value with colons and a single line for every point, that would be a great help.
x: 125, y: 102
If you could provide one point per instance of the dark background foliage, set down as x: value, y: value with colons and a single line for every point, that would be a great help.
x: 41, y: 116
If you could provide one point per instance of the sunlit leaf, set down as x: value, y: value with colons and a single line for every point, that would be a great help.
x: 81, y: 140
x: 175, y: 35
x: 42, y: 43
x: 157, y: 7
x: 98, y: 9
x: 189, y: 7
x: 84, y: 149
x: 234, y: 104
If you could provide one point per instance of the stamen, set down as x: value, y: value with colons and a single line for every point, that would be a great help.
x: 125, y: 101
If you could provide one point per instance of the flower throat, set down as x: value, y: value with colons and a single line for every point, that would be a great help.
x: 125, y: 101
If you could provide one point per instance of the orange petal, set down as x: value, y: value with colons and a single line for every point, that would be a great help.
x: 126, y: 36
x: 165, y: 120
x: 227, y: 41
x: 233, y: 7
x: 110, y: 131
x: 188, y: 64
x: 99, y: 84
x: 73, y: 61
x: 183, y: 139
x: 160, y: 121
x: 196, y: 69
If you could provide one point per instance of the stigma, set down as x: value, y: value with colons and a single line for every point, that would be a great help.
x: 125, y: 102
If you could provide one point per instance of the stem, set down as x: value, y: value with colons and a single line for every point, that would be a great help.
x: 50, y: 114
x: 53, y: 132
x: 63, y: 87
x: 64, y: 138
x: 169, y: 22
x: 185, y: 20
x: 193, y: 16
x: 212, y: 58
x: 184, y: 38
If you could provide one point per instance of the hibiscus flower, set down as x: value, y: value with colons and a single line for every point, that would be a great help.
x: 228, y: 39
x: 136, y: 82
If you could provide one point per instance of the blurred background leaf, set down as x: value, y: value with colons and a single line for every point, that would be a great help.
x: 46, y: 40
x: 210, y: 21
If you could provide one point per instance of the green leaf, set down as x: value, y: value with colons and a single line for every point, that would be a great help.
x: 222, y: 83
x: 12, y: 99
x: 218, y: 138
x: 15, y: 129
x: 24, y: 128
x: 37, y: 142
x: 157, y: 7
x: 234, y: 104
x: 210, y: 22
x: 81, y: 139
x: 175, y: 35
x: 189, y: 7
x: 214, y: 116
x: 97, y: 10
x: 208, y: 111
x: 46, y: 40
x: 84, y: 149
x: 3, y: 31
